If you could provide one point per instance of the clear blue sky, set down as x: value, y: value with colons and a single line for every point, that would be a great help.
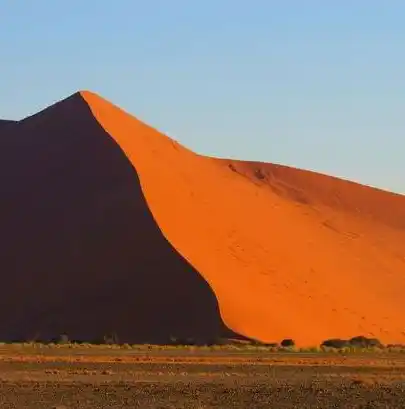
x: 314, y: 84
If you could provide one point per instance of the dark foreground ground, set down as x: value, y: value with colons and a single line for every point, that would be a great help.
x: 70, y: 378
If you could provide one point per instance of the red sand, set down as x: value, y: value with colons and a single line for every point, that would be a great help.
x: 288, y: 253
x: 110, y: 226
x: 80, y: 252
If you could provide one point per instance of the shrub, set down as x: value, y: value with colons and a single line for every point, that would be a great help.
x: 111, y: 339
x: 257, y: 343
x: 364, y: 342
x: 271, y: 345
x: 287, y: 343
x: 63, y: 339
x: 396, y: 346
x: 335, y: 343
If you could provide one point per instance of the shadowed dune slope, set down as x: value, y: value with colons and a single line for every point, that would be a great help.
x: 80, y: 251
x: 5, y: 123
x: 288, y: 253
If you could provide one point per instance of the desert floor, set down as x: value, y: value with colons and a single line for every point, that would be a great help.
x: 105, y: 377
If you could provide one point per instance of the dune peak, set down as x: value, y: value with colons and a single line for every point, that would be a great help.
x: 206, y: 245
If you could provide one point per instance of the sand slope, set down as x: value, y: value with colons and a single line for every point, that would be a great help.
x: 288, y: 253
x: 108, y: 225
x: 80, y: 252
x: 4, y: 123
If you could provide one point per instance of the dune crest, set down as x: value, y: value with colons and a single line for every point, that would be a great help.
x: 81, y: 253
x: 287, y: 252
x: 109, y: 226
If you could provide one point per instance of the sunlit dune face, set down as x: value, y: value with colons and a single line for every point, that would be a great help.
x: 288, y: 253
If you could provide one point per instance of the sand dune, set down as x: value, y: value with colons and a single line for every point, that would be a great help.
x: 5, y: 122
x: 80, y: 250
x: 105, y: 216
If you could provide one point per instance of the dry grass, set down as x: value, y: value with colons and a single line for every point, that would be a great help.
x: 231, y: 347
x: 90, y: 378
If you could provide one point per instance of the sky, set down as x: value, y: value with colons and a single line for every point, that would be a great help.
x: 316, y: 85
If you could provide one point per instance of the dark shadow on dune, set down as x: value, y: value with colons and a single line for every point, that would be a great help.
x: 80, y: 251
x: 5, y: 123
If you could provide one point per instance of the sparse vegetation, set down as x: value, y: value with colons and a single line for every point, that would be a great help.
x: 364, y: 342
x: 288, y: 343
x: 335, y: 343
x: 105, y: 377
x: 356, y: 345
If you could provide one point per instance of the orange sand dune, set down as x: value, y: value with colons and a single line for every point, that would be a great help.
x: 288, y: 253
x: 80, y: 252
x: 109, y: 225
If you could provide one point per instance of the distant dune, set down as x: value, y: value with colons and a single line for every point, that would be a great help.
x: 110, y: 226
